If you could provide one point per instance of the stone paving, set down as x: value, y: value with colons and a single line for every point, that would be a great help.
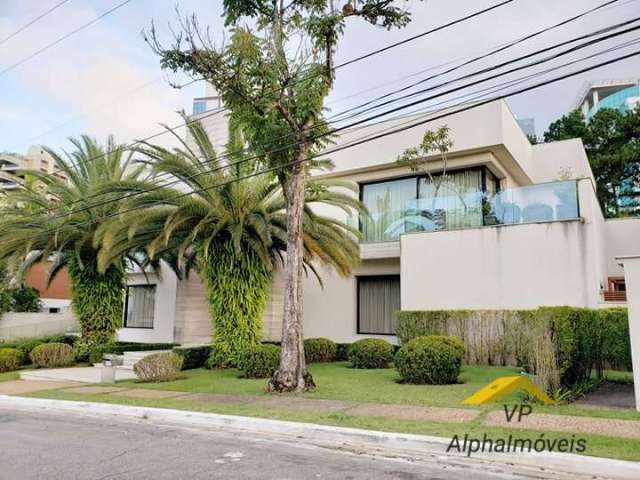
x: 18, y: 387
x: 416, y: 413
x: 565, y: 423
x: 535, y: 421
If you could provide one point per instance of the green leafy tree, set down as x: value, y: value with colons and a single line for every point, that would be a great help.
x: 25, y: 299
x: 233, y: 229
x: 612, y: 142
x: 56, y: 218
x: 5, y: 293
x: 274, y: 75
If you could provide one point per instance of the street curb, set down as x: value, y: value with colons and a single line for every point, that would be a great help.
x: 538, y: 465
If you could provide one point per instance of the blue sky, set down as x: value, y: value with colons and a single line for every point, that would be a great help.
x: 106, y: 79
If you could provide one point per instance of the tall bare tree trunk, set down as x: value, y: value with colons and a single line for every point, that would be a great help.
x: 292, y: 374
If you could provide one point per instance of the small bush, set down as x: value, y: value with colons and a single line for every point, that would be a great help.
x: 193, y: 357
x: 24, y: 346
x: 9, y: 359
x: 371, y: 353
x: 320, y: 350
x: 429, y: 360
x: 158, y: 367
x: 218, y: 359
x: 260, y: 361
x: 49, y: 355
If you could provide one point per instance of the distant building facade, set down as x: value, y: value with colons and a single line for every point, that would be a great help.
x: 14, y: 166
x: 622, y: 95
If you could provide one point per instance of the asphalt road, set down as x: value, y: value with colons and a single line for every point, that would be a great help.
x: 46, y: 446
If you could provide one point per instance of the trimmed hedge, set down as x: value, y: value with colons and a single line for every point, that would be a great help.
x: 193, y: 357
x: 560, y: 346
x: 9, y: 359
x: 49, y: 355
x: 24, y: 346
x: 158, y: 367
x: 370, y: 353
x: 432, y: 359
x: 259, y: 361
x: 320, y: 350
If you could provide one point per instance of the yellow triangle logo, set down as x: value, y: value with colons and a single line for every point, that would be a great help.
x: 503, y: 386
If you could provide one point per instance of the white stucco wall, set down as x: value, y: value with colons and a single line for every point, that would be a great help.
x: 511, y: 267
x: 488, y: 127
x: 332, y: 312
x: 550, y: 158
x: 164, y: 312
x: 632, y: 278
x: 622, y: 237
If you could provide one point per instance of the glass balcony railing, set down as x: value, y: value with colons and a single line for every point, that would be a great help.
x: 545, y: 202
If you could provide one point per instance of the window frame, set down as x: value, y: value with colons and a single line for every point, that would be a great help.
x: 126, y: 305
x: 484, y: 170
x: 359, y: 331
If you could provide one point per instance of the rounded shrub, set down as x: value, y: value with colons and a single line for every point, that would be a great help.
x: 371, y: 353
x: 259, y: 361
x: 451, y: 341
x: 317, y: 350
x: 9, y: 359
x: 158, y: 367
x: 433, y: 360
x: 49, y: 355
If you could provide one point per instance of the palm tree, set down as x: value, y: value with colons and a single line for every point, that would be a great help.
x: 229, y: 221
x: 55, y: 218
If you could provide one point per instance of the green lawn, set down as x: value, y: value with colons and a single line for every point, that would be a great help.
x: 339, y: 382
x: 6, y: 376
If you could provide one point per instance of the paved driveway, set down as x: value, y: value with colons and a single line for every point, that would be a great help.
x: 60, y: 446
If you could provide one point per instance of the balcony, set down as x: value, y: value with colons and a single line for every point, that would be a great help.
x: 455, y: 208
x: 615, y: 296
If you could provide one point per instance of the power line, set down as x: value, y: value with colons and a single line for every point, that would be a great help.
x: 391, y: 132
x: 331, y: 132
x: 523, y: 57
x: 64, y: 37
x: 212, y: 113
x: 518, y: 41
x: 376, y: 116
x: 423, y: 34
x: 381, y: 135
x: 28, y: 24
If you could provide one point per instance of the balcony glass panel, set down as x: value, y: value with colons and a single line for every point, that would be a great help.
x: 545, y: 202
x: 461, y: 205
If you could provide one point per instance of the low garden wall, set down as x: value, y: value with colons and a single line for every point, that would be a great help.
x: 561, y: 346
x: 26, y: 325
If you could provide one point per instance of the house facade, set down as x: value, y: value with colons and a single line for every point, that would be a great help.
x: 513, y: 226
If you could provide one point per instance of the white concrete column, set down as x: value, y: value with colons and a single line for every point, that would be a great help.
x: 631, y: 265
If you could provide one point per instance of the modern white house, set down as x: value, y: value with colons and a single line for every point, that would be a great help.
x: 516, y: 226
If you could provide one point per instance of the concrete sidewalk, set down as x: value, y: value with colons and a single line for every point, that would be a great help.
x: 433, y: 449
x: 74, y: 374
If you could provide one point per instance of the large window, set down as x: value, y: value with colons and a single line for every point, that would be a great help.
x: 140, y: 306
x: 387, y: 204
x: 424, y: 203
x: 378, y: 302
